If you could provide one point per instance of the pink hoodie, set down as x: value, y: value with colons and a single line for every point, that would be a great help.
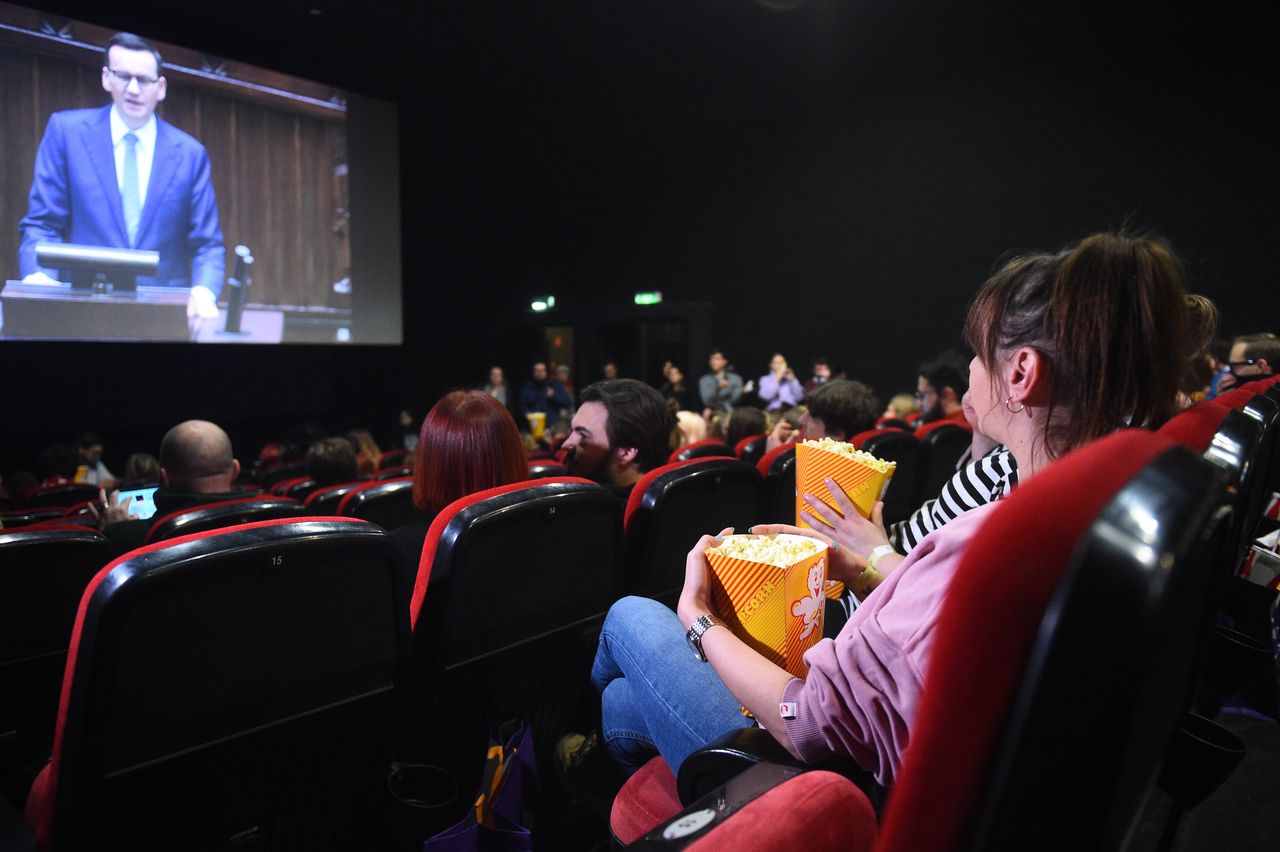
x: 863, y: 686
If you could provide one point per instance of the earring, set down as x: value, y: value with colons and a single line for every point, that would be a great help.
x: 1021, y: 407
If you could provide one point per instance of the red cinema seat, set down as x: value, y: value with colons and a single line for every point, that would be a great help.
x: 43, y: 572
x: 223, y: 513
x: 11, y: 518
x: 281, y: 470
x: 230, y: 689
x: 901, y: 497
x: 702, y: 449
x: 751, y: 448
x: 674, y: 505
x: 1232, y: 440
x: 63, y: 495
x: 777, y: 470
x: 1007, y: 746
x: 546, y: 468
x: 281, y: 488
x: 389, y: 504
x: 511, y: 588
x: 884, y: 421
x: 394, y: 459
x: 942, y: 443
x: 325, y: 500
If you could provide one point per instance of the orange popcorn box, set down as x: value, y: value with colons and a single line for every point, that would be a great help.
x: 864, y: 478
x: 777, y: 611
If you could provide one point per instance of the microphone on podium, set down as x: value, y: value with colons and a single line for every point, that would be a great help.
x: 237, y: 284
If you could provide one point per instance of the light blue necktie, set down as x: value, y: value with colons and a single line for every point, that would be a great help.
x: 132, y: 206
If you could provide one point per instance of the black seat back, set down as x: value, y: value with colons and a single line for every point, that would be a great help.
x: 42, y: 576
x: 233, y: 690
x: 224, y: 513
x: 671, y: 507
x: 325, y: 501
x: 940, y: 450
x: 389, y: 504
x: 513, y: 584
x: 63, y: 495
x: 778, y: 491
x: 901, y: 497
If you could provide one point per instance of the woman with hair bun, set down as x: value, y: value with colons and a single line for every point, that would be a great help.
x: 1070, y: 347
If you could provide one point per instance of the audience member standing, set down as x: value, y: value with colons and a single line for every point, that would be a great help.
x: 544, y: 395
x: 496, y: 387
x: 779, y: 388
x: 721, y: 388
x: 565, y: 377
x: 96, y: 473
x: 676, y: 388
x: 821, y: 374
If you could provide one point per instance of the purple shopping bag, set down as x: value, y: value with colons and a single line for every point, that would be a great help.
x: 497, y: 821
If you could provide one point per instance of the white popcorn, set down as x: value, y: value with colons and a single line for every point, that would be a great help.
x: 781, y: 551
x: 846, y: 449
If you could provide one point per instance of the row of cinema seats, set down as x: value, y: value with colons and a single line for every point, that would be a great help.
x: 190, y: 674
x: 251, y: 685
x: 1082, y: 628
x: 925, y: 458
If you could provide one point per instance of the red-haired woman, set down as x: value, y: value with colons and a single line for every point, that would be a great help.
x: 468, y: 443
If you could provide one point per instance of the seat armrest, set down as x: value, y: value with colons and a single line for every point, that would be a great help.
x: 715, y: 763
x: 15, y: 834
x: 717, y: 804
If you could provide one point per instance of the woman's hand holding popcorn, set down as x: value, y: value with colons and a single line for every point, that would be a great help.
x: 854, y: 532
x: 695, y: 597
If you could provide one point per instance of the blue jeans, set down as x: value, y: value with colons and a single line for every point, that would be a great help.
x: 655, y: 695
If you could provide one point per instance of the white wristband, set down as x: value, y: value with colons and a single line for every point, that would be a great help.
x: 881, y: 551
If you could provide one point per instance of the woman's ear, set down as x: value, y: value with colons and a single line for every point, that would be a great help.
x: 1027, y: 377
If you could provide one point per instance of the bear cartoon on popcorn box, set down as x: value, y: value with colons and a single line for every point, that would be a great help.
x: 771, y: 591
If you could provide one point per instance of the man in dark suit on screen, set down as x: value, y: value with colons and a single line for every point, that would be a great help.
x: 119, y: 176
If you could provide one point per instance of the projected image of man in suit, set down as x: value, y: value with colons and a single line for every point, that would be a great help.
x: 119, y: 176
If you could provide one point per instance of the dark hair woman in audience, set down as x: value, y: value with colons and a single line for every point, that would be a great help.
x: 468, y: 443
x: 332, y: 461
x: 141, y: 467
x: 1071, y: 346
x: 744, y: 421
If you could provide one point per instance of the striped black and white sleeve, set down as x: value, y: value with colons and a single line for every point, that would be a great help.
x: 973, y: 485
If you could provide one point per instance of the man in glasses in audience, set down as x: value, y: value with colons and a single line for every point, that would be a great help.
x: 940, y: 387
x: 120, y: 177
x: 1253, y: 356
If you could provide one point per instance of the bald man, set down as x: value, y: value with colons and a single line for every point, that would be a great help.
x: 197, y: 466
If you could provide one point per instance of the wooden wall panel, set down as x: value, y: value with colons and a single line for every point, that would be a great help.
x: 272, y: 170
